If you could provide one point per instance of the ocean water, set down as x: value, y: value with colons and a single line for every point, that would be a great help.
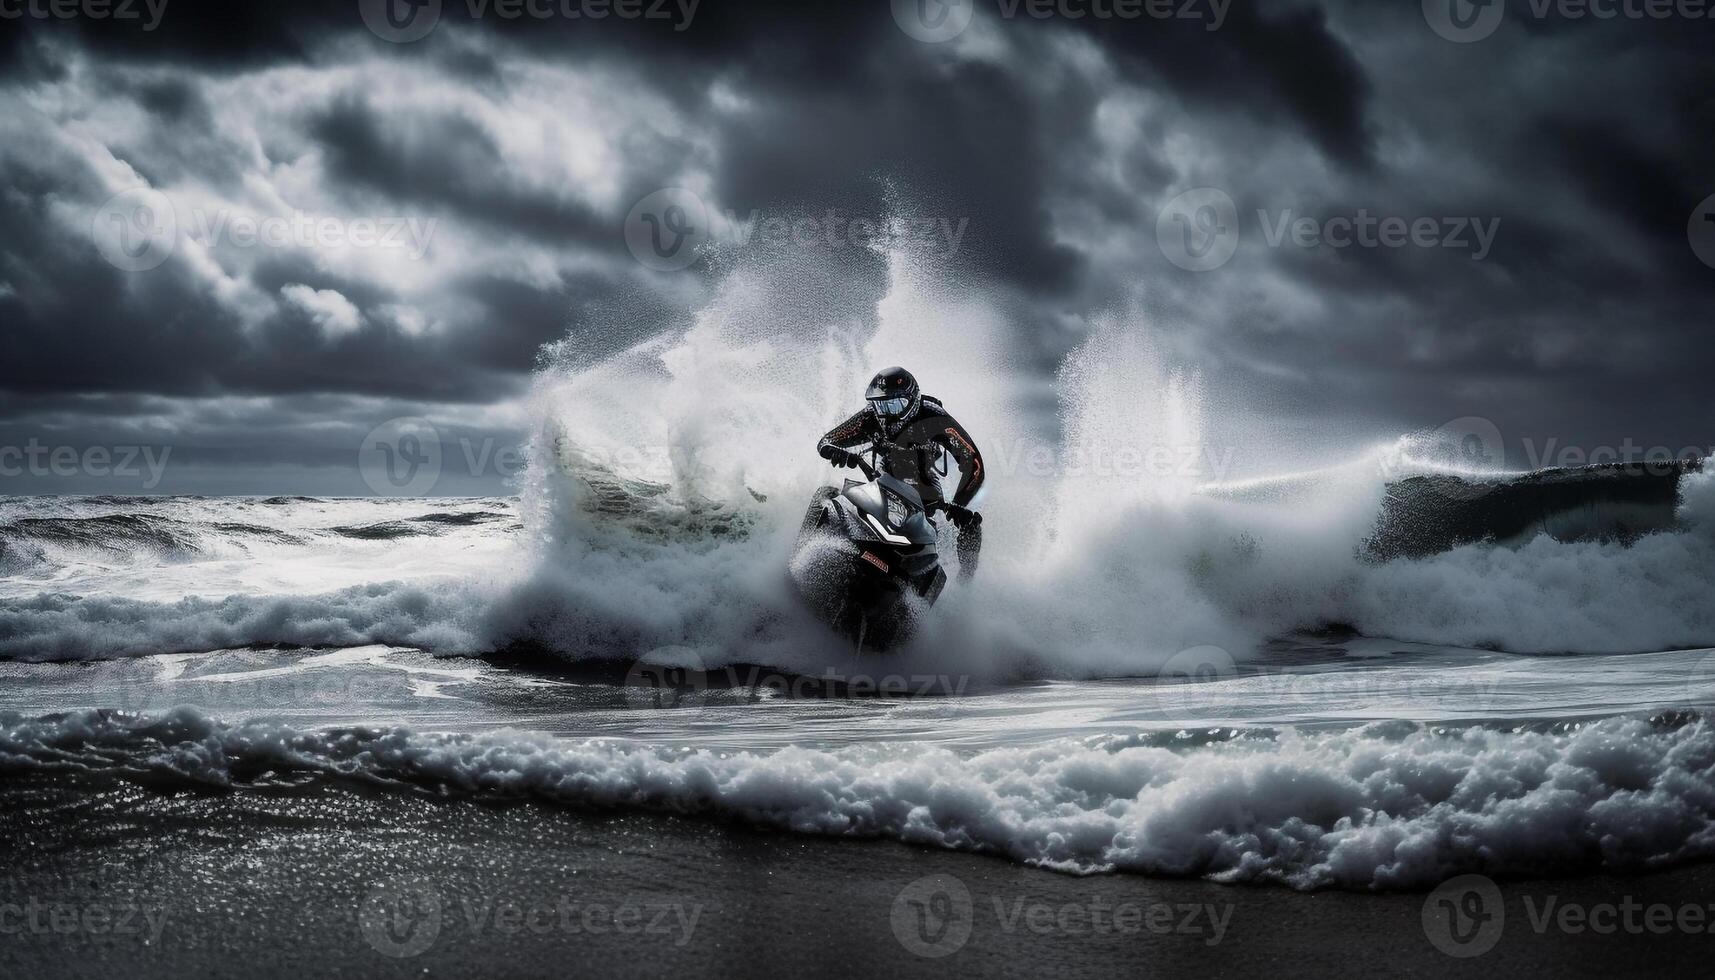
x: 442, y: 646
x: 1158, y: 670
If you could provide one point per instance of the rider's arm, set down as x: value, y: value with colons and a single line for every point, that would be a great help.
x: 964, y: 449
x: 848, y: 434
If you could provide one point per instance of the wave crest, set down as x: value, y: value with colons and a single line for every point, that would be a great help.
x: 1390, y: 806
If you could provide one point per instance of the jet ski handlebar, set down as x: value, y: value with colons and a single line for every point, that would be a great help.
x: 962, y: 516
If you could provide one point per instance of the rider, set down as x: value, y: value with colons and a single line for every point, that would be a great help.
x: 912, y: 428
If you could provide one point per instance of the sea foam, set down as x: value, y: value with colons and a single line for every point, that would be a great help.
x: 1389, y: 806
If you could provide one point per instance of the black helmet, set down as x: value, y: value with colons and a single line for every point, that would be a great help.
x: 894, y: 394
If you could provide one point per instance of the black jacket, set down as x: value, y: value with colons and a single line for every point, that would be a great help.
x: 920, y: 438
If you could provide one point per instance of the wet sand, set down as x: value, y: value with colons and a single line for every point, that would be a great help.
x: 118, y: 879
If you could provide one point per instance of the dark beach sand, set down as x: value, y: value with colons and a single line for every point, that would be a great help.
x: 346, y: 882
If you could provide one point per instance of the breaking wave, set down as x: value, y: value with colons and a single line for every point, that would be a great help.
x: 1390, y: 806
x: 44, y: 534
x: 1087, y: 570
x: 60, y: 627
x: 666, y: 482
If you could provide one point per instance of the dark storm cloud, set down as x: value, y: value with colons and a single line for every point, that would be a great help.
x: 989, y: 168
x: 74, y: 322
x: 209, y: 33
x: 447, y: 162
x: 847, y: 100
x: 1587, y: 146
x: 1056, y: 140
x: 1268, y: 61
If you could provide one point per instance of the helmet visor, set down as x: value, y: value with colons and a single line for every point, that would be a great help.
x: 889, y: 408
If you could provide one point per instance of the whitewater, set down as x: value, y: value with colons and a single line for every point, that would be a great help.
x: 1160, y: 669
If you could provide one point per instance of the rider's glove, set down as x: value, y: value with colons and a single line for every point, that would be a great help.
x: 840, y: 457
x: 961, y: 517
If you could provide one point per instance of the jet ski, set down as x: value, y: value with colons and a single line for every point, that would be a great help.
x: 866, y: 558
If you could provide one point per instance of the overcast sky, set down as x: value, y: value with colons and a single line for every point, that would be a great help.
x: 254, y: 231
